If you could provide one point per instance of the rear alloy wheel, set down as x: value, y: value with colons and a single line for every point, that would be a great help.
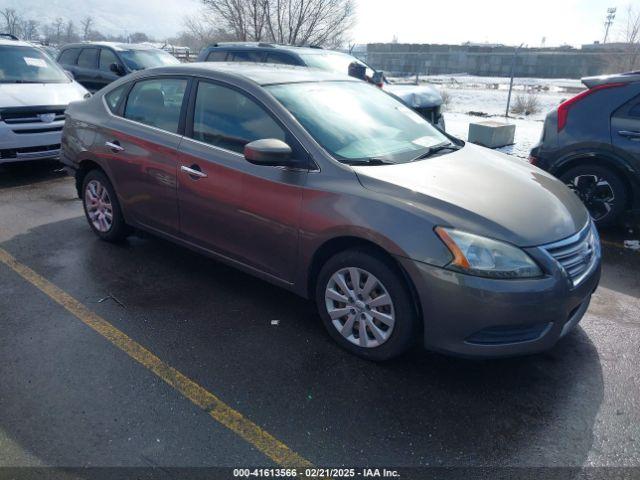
x: 366, y: 305
x: 602, y: 191
x: 101, y: 207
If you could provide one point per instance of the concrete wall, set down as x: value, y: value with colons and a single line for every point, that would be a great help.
x: 397, y: 58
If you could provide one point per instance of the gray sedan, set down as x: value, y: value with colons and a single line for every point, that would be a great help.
x: 333, y: 189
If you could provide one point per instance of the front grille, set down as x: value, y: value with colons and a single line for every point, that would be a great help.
x: 27, y: 131
x: 22, y: 115
x: 576, y: 255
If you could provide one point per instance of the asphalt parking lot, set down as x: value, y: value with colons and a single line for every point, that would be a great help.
x: 73, y: 395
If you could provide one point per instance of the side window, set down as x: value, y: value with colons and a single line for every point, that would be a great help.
x: 113, y: 98
x: 246, y: 56
x: 88, y: 58
x: 228, y: 119
x: 69, y: 57
x: 157, y: 103
x: 217, y: 56
x: 280, y: 58
x: 107, y: 57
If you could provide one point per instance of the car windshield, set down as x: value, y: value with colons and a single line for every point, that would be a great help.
x: 357, y: 122
x: 28, y: 65
x: 333, y: 62
x: 141, y: 59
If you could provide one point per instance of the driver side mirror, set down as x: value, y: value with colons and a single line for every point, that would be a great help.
x: 268, y: 152
x: 378, y: 78
x: 117, y: 69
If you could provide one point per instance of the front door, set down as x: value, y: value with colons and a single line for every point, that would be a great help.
x: 246, y: 212
x: 141, y: 147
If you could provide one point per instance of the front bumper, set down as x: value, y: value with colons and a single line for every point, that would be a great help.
x: 29, y: 141
x: 479, y: 317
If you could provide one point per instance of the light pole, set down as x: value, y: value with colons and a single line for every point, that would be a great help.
x: 611, y: 15
x: 513, y: 68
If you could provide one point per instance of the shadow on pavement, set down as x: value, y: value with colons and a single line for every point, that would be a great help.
x: 26, y: 173
x: 213, y: 323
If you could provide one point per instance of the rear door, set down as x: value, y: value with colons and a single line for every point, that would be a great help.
x: 140, y: 143
x: 625, y: 130
x: 87, y: 69
x: 68, y: 59
x: 245, y: 212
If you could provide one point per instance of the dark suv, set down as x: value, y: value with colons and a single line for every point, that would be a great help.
x: 97, y: 64
x: 423, y: 99
x: 592, y: 143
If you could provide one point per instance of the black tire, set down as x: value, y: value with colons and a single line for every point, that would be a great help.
x: 606, y: 202
x: 118, y: 230
x: 403, y: 334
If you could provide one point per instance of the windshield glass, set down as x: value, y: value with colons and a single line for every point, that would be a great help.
x: 333, y: 62
x: 356, y: 122
x: 141, y: 59
x: 28, y: 65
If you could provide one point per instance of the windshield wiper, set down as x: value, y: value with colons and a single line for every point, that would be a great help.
x: 436, y: 149
x: 370, y: 161
x: 19, y: 81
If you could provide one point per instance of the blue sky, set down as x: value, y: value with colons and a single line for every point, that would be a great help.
x: 416, y: 21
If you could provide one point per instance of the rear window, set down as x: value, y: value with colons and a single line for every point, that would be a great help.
x: 88, y: 58
x: 280, y: 58
x: 157, y: 103
x: 69, y: 57
x: 245, y: 56
x: 113, y: 98
x: 217, y: 56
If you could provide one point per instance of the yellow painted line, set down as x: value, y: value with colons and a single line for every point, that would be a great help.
x: 207, y: 401
x: 612, y: 244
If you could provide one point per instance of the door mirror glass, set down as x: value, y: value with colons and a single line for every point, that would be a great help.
x: 268, y: 152
x: 378, y: 78
x: 117, y: 69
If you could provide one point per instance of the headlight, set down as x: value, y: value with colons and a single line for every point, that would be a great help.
x: 485, y: 257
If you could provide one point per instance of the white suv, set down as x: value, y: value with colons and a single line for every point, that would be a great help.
x: 34, y: 93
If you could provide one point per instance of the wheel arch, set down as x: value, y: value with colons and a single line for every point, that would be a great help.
x: 84, y: 167
x: 339, y: 244
x: 602, y: 159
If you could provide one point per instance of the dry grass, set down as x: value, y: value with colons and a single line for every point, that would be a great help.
x: 528, y: 104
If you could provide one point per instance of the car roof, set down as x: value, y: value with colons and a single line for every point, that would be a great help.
x: 260, y: 73
x: 119, y: 47
x: 15, y: 43
x: 268, y: 46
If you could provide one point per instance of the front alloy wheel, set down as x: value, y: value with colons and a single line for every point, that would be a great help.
x: 360, y: 307
x: 366, y: 303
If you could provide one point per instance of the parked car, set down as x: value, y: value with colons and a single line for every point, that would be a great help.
x: 424, y: 99
x: 34, y: 93
x: 97, y: 64
x: 331, y: 188
x: 592, y: 143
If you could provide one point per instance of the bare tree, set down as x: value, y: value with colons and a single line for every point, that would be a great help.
x: 11, y: 21
x: 86, y: 24
x: 57, y: 28
x: 291, y: 22
x: 29, y: 29
x: 200, y: 31
x: 629, y: 58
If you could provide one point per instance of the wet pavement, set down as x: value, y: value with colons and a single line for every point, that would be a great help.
x: 70, y: 398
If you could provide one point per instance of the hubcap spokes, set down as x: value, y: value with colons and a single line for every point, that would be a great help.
x: 98, y: 205
x: 360, y: 307
x: 595, y: 192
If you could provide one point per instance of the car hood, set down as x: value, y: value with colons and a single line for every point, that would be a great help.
x: 39, y: 94
x: 416, y: 96
x: 484, y: 192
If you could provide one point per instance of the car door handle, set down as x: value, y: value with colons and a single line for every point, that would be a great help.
x: 114, y: 146
x: 629, y: 134
x: 193, y: 171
